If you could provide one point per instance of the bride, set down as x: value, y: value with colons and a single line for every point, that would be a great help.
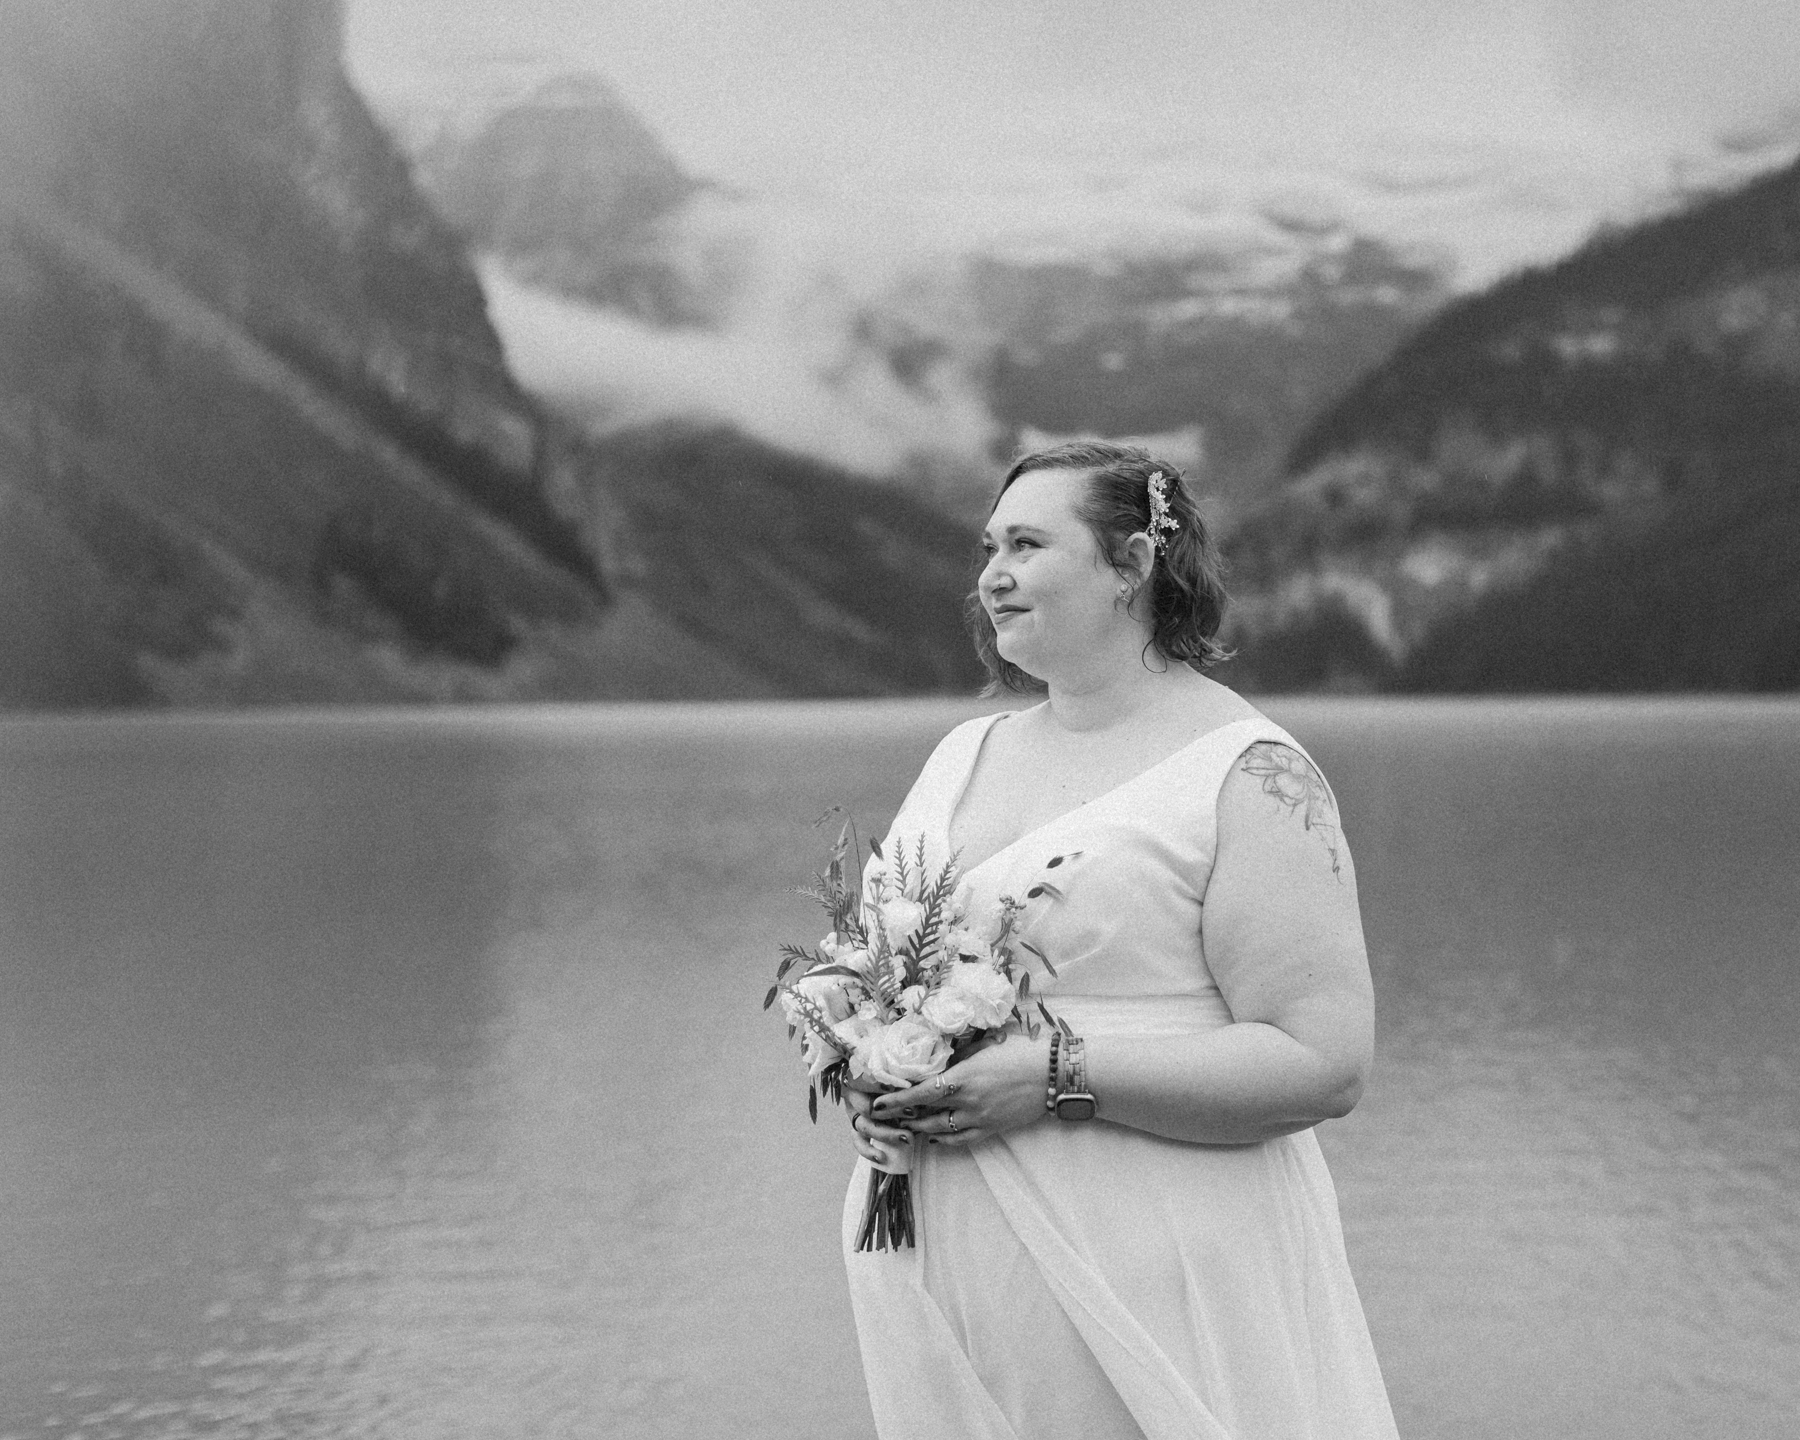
x: 1131, y: 1232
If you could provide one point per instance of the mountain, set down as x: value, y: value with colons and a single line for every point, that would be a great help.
x: 566, y: 187
x: 252, y: 417
x: 961, y: 352
x: 819, y: 580
x: 1586, y: 477
x: 1211, y: 341
x: 259, y: 440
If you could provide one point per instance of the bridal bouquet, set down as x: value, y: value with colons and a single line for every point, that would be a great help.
x: 905, y: 982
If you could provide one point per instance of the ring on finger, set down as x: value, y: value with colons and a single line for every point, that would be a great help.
x: 856, y: 1122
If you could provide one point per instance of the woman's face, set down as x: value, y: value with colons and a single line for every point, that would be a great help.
x: 1047, y: 587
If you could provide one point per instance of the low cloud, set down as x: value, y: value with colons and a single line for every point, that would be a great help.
x: 844, y: 354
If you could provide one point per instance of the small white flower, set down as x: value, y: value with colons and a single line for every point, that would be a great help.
x: 959, y: 940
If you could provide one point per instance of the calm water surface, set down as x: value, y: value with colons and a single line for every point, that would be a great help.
x: 404, y: 1076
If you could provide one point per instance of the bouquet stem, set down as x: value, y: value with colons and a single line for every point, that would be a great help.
x: 887, y: 1222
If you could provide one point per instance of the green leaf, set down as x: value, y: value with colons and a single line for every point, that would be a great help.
x: 812, y: 1104
x: 1040, y: 955
x: 769, y: 999
x: 875, y: 849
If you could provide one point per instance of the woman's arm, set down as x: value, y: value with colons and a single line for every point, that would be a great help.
x: 1283, y: 938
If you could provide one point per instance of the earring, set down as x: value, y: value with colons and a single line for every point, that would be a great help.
x: 1124, y: 590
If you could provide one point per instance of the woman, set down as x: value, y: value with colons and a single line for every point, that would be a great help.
x: 1173, y: 1265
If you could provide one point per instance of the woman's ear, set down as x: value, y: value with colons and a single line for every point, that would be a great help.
x: 1139, y: 558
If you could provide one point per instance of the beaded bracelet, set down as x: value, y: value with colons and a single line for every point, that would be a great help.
x: 1055, y: 1070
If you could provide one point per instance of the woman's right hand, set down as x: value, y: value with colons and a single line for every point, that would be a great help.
x: 867, y: 1129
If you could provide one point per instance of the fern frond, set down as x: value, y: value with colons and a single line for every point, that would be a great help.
x: 792, y: 955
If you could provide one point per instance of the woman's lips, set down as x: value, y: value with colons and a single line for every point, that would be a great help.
x: 1006, y: 612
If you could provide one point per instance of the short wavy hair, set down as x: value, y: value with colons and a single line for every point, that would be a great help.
x: 1187, y: 581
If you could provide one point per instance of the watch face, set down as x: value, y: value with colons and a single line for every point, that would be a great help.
x: 1075, y: 1107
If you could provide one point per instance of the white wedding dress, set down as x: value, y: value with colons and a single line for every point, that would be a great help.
x: 1088, y: 1280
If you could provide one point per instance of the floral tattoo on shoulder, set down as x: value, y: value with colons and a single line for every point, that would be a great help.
x: 1288, y: 776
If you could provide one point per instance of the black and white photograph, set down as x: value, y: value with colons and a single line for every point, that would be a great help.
x: 899, y: 720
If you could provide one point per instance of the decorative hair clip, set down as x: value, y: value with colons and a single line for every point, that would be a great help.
x: 1161, y: 520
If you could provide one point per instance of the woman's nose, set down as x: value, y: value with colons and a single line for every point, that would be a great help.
x: 993, y: 578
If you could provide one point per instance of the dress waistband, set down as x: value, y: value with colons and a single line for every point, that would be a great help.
x: 1141, y: 1014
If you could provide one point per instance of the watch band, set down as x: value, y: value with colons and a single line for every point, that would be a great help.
x: 1073, y: 1100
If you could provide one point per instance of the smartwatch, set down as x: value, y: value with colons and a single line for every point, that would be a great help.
x: 1073, y: 1100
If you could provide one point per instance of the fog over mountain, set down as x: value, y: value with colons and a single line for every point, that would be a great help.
x: 259, y: 441
x: 1173, y: 186
x: 538, y: 382
x: 895, y: 342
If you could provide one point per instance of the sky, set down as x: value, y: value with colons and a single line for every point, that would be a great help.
x: 1501, y: 132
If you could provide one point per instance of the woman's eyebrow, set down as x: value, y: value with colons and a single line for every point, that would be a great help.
x: 1016, y: 528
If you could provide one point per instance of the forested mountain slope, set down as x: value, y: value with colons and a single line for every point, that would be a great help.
x: 1583, y: 478
x: 258, y: 439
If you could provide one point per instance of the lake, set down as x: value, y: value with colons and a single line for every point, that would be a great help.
x: 402, y: 1074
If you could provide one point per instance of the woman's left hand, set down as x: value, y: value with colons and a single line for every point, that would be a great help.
x: 995, y: 1088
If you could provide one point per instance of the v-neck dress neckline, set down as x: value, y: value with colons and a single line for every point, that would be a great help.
x: 959, y: 792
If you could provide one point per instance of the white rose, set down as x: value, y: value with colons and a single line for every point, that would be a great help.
x: 857, y: 1027
x: 899, y: 918
x: 912, y: 997
x: 831, y: 993
x: 902, y: 1053
x: 970, y: 997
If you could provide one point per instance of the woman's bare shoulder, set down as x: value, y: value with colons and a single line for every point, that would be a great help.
x: 1274, y: 792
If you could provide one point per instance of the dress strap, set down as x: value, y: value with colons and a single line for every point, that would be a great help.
x: 1225, y: 746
